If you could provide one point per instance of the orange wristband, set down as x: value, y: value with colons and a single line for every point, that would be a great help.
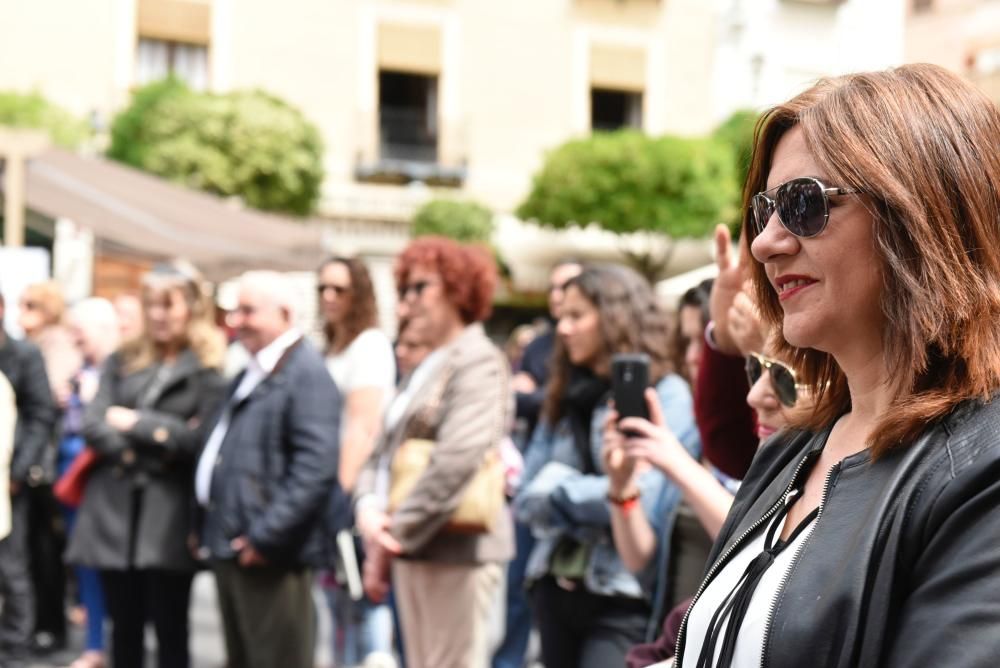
x: 628, y: 504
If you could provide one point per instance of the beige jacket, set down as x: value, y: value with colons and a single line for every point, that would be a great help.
x: 8, y: 421
x: 470, y: 418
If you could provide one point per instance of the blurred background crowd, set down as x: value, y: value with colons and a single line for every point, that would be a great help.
x: 252, y: 251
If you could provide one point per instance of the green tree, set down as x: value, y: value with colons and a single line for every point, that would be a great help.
x: 131, y: 132
x: 247, y: 143
x: 460, y: 220
x: 629, y: 182
x: 736, y: 132
x: 31, y: 110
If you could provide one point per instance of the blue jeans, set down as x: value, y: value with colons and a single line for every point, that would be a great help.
x: 88, y: 580
x: 359, y: 627
x: 510, y: 653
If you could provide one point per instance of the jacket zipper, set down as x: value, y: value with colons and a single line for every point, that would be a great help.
x: 772, y: 608
x: 721, y: 561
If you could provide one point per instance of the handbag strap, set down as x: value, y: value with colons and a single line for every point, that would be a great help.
x: 431, y: 406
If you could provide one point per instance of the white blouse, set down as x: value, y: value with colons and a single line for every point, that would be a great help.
x: 750, y: 641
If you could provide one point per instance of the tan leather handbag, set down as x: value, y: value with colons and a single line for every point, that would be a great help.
x: 483, y: 498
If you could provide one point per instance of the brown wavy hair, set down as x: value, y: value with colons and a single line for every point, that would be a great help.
x: 468, y: 272
x: 631, y: 321
x: 698, y: 297
x: 202, y: 336
x: 363, y: 313
x: 921, y: 144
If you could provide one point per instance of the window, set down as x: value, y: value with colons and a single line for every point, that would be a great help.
x: 157, y: 58
x: 408, y: 124
x: 615, y: 109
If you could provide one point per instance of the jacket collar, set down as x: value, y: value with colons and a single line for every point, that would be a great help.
x: 274, y: 376
x: 187, y: 364
x: 445, y: 361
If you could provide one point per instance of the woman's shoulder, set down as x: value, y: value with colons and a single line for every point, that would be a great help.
x: 475, y: 347
x: 673, y: 384
x: 966, y: 442
x: 372, y: 339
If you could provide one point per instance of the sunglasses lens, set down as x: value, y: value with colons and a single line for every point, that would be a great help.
x: 754, y: 369
x: 763, y: 209
x: 802, y: 207
x: 784, y: 384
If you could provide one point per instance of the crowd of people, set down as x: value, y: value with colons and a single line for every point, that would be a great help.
x: 814, y: 480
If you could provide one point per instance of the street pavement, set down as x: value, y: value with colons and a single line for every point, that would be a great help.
x: 207, y: 648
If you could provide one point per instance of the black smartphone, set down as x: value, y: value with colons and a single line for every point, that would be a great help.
x: 629, y: 380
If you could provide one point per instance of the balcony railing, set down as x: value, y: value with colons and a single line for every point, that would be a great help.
x: 408, y: 135
x: 408, y: 150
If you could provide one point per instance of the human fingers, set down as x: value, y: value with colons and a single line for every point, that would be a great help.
x: 723, y: 247
x: 655, y: 410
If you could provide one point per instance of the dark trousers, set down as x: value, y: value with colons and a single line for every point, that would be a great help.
x: 268, y: 616
x: 134, y: 597
x: 46, y: 544
x: 18, y: 617
x: 583, y: 630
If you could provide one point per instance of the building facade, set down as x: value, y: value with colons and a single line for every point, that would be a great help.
x: 416, y: 98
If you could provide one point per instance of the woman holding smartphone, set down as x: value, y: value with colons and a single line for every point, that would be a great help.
x: 590, y: 608
x: 775, y: 396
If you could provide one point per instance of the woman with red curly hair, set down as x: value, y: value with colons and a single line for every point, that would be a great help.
x: 459, y: 398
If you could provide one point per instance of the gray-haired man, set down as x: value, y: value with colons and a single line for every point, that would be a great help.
x: 263, y: 479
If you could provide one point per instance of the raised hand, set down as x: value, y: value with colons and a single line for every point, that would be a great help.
x: 619, y: 467
x: 651, y: 440
x: 746, y: 329
x: 727, y: 285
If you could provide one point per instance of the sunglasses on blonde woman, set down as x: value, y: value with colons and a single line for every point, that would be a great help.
x: 782, y: 378
x: 803, y: 206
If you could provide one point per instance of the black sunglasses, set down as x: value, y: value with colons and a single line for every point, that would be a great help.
x: 782, y: 378
x: 340, y: 290
x: 417, y: 288
x: 803, y: 206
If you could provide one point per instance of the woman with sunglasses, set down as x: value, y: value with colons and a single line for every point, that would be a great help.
x: 867, y: 536
x: 359, y: 357
x: 590, y: 607
x: 445, y: 577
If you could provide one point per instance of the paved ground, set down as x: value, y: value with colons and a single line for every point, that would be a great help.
x: 207, y: 649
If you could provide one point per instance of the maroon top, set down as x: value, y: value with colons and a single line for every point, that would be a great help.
x: 727, y: 424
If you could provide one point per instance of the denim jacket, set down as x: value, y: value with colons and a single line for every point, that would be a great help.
x: 557, y: 500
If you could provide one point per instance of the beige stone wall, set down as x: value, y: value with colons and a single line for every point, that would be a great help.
x: 953, y: 33
x: 70, y: 51
x: 514, y: 77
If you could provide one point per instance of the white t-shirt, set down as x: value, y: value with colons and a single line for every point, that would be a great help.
x: 367, y: 362
x: 751, y: 636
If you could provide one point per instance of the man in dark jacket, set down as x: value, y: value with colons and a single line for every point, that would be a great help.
x: 24, y: 367
x: 263, y: 480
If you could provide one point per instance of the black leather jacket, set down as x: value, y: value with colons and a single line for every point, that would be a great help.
x: 903, y: 565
